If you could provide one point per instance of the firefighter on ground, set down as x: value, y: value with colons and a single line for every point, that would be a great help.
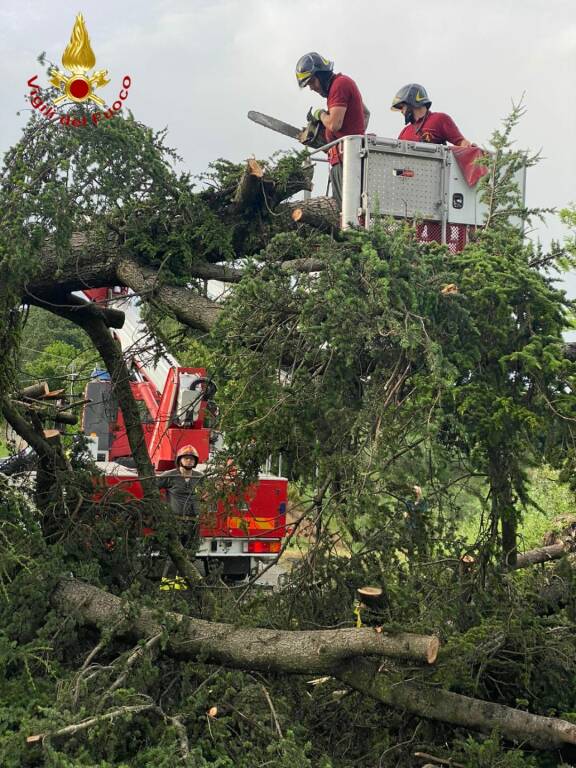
x: 422, y: 124
x: 181, y: 485
x: 346, y: 114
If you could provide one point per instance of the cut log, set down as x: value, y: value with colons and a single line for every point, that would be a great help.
x: 55, y: 394
x: 319, y: 212
x: 52, y: 436
x: 371, y: 597
x: 540, y: 555
x: 314, y: 652
x: 34, y: 391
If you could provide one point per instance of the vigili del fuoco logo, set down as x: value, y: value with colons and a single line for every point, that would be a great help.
x: 77, y: 85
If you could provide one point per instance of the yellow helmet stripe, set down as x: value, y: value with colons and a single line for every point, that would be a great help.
x: 302, y: 75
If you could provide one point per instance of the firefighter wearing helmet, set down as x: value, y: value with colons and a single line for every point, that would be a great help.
x: 181, y: 486
x: 187, y: 452
x: 421, y: 124
x: 345, y: 115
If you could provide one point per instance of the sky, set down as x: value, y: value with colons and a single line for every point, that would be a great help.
x: 198, y: 67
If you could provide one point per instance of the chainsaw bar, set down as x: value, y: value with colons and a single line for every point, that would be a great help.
x: 275, y: 125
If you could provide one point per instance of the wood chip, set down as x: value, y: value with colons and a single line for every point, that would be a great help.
x: 449, y: 289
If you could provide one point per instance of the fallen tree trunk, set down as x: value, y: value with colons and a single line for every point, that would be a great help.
x: 435, y: 704
x: 336, y: 652
x: 86, y: 267
x: 269, y: 650
x: 540, y: 555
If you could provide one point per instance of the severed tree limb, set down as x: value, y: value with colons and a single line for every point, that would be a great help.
x: 435, y: 704
x: 306, y: 652
x: 34, y: 391
x: 134, y: 709
x: 322, y: 213
x: 250, y: 188
x: 540, y: 555
x: 337, y: 652
x: 83, y: 725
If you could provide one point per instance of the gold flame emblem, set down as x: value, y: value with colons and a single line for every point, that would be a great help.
x: 78, y: 58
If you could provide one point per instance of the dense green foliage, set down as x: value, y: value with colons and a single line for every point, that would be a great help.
x: 398, y: 364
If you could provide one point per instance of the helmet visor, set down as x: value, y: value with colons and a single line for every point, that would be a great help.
x: 303, y: 78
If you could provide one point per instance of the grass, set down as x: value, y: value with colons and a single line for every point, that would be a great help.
x: 552, y: 499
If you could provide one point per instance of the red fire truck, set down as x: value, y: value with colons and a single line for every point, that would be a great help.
x: 237, y: 535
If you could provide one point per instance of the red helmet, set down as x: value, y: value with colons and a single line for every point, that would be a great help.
x: 187, y: 450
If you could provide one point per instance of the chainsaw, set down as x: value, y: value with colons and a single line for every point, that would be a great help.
x: 312, y: 135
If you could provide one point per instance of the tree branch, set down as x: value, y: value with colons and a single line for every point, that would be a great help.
x: 188, y: 307
x: 159, y: 512
x: 314, y: 652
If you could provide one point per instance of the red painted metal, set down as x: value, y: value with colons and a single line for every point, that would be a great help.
x: 167, y: 436
x: 262, y: 513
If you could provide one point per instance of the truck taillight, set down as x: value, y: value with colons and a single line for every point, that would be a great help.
x: 263, y: 547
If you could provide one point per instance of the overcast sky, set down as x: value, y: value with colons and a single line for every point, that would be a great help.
x: 198, y: 67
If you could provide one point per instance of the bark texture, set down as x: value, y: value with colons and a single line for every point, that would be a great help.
x: 187, y: 306
x: 435, y: 704
x: 540, y: 555
x: 319, y: 212
x: 269, y: 650
x: 339, y: 653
